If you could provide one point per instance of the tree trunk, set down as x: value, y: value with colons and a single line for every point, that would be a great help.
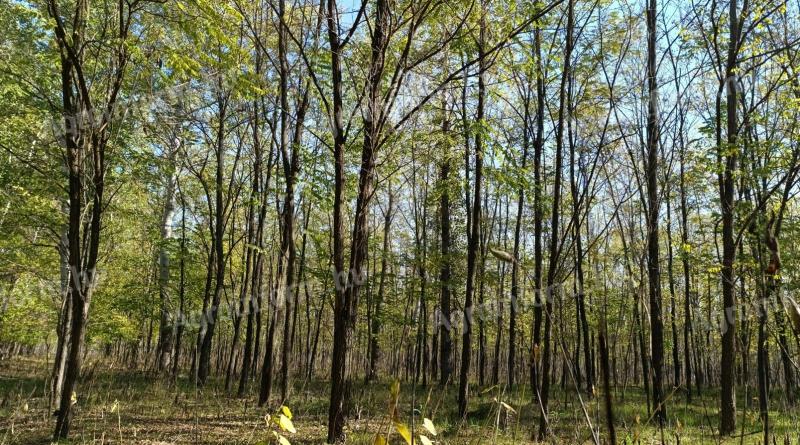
x: 374, y: 348
x: 512, y: 317
x: 166, y: 329
x: 653, y: 206
x: 444, y: 325
x: 538, y: 217
x: 554, y: 224
x: 688, y: 333
x: 474, y: 236
x: 727, y: 200
x: 204, y: 363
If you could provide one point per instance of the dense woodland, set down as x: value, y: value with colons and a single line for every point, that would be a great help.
x: 560, y: 221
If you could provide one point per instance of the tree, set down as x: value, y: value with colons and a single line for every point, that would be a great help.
x: 475, y: 224
x: 552, y: 269
x: 88, y: 110
x: 729, y: 157
x: 653, y: 206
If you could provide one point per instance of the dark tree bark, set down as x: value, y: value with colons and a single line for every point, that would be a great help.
x: 257, y: 194
x: 166, y: 329
x: 554, y: 222
x: 180, y: 325
x: 653, y: 206
x: 444, y: 326
x: 237, y: 316
x: 727, y: 201
x: 342, y: 306
x: 88, y: 125
x: 676, y: 364
x: 512, y: 317
x: 474, y: 236
x: 349, y: 282
x: 688, y: 331
x: 375, y: 329
x: 290, y: 153
x: 538, y: 217
x: 609, y: 406
x: 218, y: 241
x: 581, y: 322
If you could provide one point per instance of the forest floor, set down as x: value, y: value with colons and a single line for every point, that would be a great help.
x: 120, y: 406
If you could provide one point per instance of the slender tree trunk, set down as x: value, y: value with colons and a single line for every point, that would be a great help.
x: 243, y: 300
x: 166, y: 328
x: 64, y: 322
x: 204, y: 364
x: 538, y: 217
x: 609, y: 406
x: 512, y: 317
x: 256, y: 239
x: 291, y: 167
x: 676, y: 371
x: 374, y: 349
x: 474, y: 236
x: 653, y: 206
x: 181, y: 322
x: 84, y: 146
x: 346, y: 304
x: 727, y: 200
x: 444, y: 325
x: 582, y: 324
x: 688, y: 333
x: 341, y: 305
x: 554, y: 224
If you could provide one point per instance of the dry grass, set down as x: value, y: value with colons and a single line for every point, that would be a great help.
x: 121, y: 406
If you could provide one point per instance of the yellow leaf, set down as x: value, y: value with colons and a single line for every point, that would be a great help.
x: 508, y: 407
x: 286, y: 424
x: 286, y: 411
x: 425, y: 440
x: 379, y: 440
x: 283, y: 441
x: 394, y: 390
x: 74, y: 398
x: 502, y: 255
x: 428, y: 424
x: 402, y: 429
x: 489, y: 389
